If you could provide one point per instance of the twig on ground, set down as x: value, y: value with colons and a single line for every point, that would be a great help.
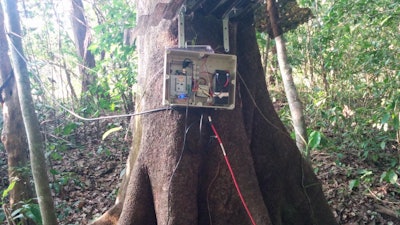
x: 386, y: 211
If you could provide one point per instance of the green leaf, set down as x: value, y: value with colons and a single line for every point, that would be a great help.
x: 2, y: 217
x: 385, y: 20
x: 353, y: 184
x: 17, y: 215
x: 56, y: 156
x: 383, y: 176
x: 383, y: 145
x: 9, y: 188
x: 392, y: 177
x: 115, y: 129
x: 385, y: 118
x: 396, y: 122
x: 93, y: 47
x: 314, y: 139
x: 33, y: 212
x: 54, y: 172
x: 16, y: 212
x: 389, y: 176
x: 69, y: 128
x: 364, y: 173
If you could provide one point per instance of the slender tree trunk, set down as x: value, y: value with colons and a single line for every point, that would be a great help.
x: 320, y: 62
x: 38, y: 162
x: 295, y: 104
x: 67, y: 73
x: 268, y: 75
x: 69, y: 82
x: 325, y: 77
x: 13, y: 132
x: 309, y: 47
x: 63, y: 63
x: 398, y: 134
x: 82, y: 42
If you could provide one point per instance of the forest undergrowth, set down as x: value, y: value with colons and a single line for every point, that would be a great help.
x: 85, y: 172
x: 356, y: 159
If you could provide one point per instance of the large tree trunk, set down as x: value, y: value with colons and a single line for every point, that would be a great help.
x: 12, y: 135
x: 37, y: 158
x: 180, y: 177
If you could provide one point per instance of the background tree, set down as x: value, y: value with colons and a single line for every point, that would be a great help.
x: 354, y: 90
x: 38, y: 162
x: 352, y: 99
x: 295, y: 104
x: 116, y: 62
x: 194, y: 187
x: 82, y: 38
x: 13, y: 131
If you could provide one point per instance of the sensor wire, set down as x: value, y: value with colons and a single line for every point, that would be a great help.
x: 231, y: 171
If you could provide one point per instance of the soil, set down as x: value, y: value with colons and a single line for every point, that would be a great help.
x: 86, y: 175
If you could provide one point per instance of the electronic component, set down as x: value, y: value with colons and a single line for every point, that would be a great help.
x: 221, y: 83
x: 199, y: 79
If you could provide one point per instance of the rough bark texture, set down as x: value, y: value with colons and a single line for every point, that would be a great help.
x: 82, y: 41
x: 290, y: 189
x: 13, y: 134
x: 295, y: 104
x: 290, y: 16
x: 181, y: 178
x: 38, y: 162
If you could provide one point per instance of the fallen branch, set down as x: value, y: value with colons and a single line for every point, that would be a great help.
x: 386, y: 211
x: 374, y: 196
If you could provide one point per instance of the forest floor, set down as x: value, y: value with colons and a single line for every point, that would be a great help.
x: 87, y: 178
x: 369, y: 202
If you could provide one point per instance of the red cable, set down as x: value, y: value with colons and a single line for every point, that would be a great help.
x: 227, y: 80
x: 231, y: 171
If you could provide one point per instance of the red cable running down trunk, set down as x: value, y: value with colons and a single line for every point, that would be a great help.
x: 231, y: 171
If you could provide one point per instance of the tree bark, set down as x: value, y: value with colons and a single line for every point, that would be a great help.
x: 309, y: 58
x: 180, y: 176
x: 295, y: 104
x: 13, y: 132
x: 38, y: 162
x: 82, y: 42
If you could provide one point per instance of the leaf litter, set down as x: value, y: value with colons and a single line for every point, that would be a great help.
x: 87, y: 179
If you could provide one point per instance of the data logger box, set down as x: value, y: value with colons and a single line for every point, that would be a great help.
x: 199, y: 79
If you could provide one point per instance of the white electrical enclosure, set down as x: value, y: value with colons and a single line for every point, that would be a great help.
x: 199, y: 79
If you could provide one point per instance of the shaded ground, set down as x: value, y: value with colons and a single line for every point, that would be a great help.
x: 87, y: 178
x: 369, y: 202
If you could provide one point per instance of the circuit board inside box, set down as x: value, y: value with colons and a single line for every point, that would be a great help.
x: 199, y: 79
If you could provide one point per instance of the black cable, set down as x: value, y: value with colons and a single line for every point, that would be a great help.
x: 179, y: 159
x: 176, y: 167
x: 259, y: 109
x: 114, y: 116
